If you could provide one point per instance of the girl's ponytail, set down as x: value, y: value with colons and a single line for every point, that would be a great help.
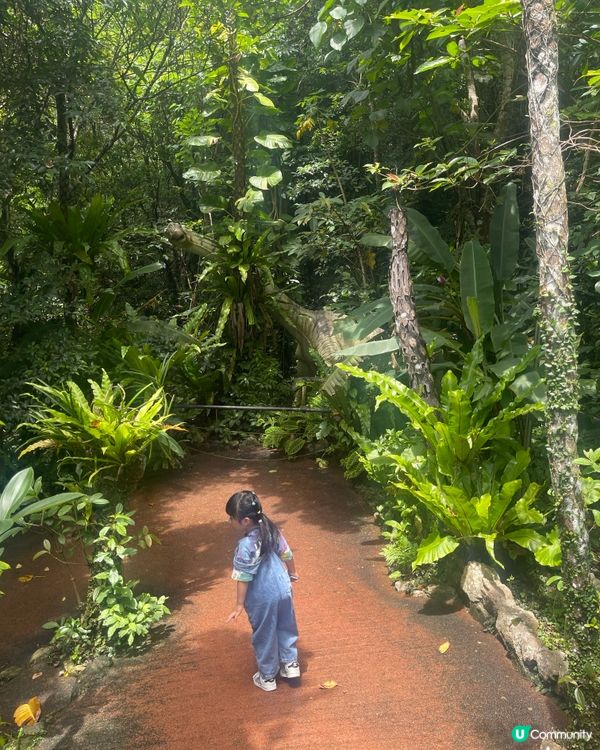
x: 245, y: 504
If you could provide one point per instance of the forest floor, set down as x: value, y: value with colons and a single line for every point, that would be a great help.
x: 193, y: 690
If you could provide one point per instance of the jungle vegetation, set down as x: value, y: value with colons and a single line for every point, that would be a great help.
x: 220, y: 201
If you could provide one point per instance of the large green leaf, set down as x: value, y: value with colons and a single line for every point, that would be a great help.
x: 338, y: 40
x: 527, y: 538
x: 490, y: 540
x: 142, y: 271
x: 476, y: 282
x: 516, y: 466
x: 203, y: 140
x: 45, y: 504
x: 472, y: 375
x: 371, y: 348
x: 420, y: 413
x: 437, y: 340
x: 462, y: 507
x: 549, y: 551
x: 316, y: 33
x: 458, y: 418
x: 339, y: 13
x: 294, y: 445
x: 443, y: 31
x: 427, y: 238
x: 273, y: 140
x: 434, y: 548
x: 373, y: 239
x: 504, y: 234
x: 248, y: 83
x: 19, y: 487
x: 438, y: 62
x: 363, y: 320
x: 266, y: 177
x: 207, y: 172
x: 264, y: 100
x: 444, y: 455
x: 352, y: 26
x: 247, y: 202
x: 501, y: 501
x: 525, y: 513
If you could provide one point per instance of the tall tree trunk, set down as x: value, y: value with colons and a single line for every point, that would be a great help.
x: 402, y: 298
x: 557, y: 308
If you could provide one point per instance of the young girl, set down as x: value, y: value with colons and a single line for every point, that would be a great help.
x: 263, y: 567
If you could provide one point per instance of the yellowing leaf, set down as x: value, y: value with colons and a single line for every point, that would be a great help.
x: 25, y: 579
x: 328, y: 684
x: 28, y: 713
x: 36, y: 445
x: 444, y: 647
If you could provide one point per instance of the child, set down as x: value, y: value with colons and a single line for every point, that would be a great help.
x: 263, y: 567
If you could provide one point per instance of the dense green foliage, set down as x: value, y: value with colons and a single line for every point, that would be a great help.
x: 20, y: 504
x: 109, y: 439
x: 118, y: 617
x: 466, y: 466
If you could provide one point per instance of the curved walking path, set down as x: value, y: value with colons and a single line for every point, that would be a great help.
x: 193, y: 690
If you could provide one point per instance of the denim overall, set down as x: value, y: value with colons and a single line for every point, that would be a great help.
x: 268, y: 602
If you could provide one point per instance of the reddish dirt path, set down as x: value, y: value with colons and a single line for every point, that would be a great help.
x: 193, y: 691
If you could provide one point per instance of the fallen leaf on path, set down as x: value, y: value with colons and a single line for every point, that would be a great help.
x: 46, y: 570
x: 18, y: 566
x: 444, y: 647
x: 36, y: 675
x: 28, y: 713
x: 328, y: 684
x: 25, y: 579
x: 71, y: 669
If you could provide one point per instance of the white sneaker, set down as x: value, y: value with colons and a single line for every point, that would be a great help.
x: 290, y: 670
x: 264, y: 684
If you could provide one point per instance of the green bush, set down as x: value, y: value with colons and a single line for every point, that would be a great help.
x: 110, y: 437
x: 114, y: 618
x: 256, y: 381
x: 320, y: 434
x: 470, y: 473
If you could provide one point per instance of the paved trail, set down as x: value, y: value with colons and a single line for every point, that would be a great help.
x: 395, y: 690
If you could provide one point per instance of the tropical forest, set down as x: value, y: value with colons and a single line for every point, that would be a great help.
x: 346, y: 255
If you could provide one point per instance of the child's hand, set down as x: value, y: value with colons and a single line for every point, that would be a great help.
x: 235, y: 614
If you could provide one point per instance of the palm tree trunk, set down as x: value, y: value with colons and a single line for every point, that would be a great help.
x: 407, y: 328
x: 557, y: 309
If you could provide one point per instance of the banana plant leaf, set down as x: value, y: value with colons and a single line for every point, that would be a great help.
x: 504, y: 234
x: 477, y: 283
x: 426, y: 239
